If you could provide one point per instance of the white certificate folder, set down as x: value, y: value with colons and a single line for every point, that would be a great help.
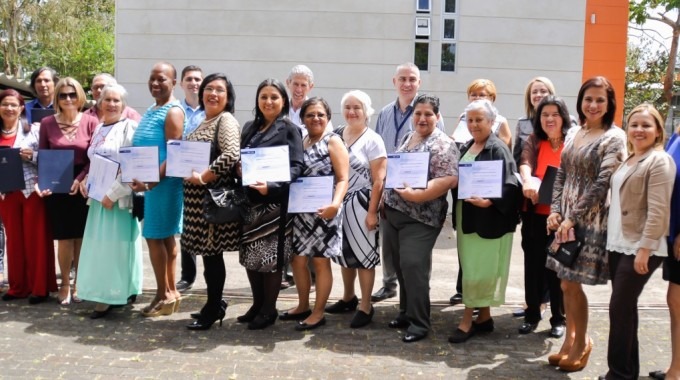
x: 140, y: 163
x: 483, y: 179
x: 407, y: 169
x: 103, y: 173
x: 185, y: 157
x: 309, y: 194
x: 268, y: 164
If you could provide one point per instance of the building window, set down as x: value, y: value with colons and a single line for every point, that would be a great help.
x: 422, y: 53
x: 423, y: 6
x: 449, y: 35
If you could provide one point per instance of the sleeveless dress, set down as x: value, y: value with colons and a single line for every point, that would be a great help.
x: 111, y: 266
x: 163, y: 204
x: 313, y: 236
x: 360, y: 246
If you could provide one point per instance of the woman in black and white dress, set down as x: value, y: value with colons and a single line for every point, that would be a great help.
x: 367, y: 162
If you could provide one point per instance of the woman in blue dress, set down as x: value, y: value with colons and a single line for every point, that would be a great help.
x: 111, y: 255
x: 163, y: 121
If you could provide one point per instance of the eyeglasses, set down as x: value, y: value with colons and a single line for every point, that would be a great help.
x: 315, y: 115
x: 10, y: 105
x: 213, y: 90
x: 68, y: 95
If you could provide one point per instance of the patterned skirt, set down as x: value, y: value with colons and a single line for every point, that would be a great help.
x: 265, y: 239
x: 359, y: 246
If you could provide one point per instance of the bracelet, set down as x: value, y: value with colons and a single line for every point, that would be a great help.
x: 200, y: 179
x: 146, y: 186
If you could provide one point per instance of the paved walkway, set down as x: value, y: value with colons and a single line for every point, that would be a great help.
x: 50, y: 341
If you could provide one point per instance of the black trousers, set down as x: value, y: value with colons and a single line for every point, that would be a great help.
x: 538, y: 278
x: 188, y: 267
x: 623, y: 351
x: 215, y: 275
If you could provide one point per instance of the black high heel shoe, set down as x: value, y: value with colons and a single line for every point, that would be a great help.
x: 263, y: 320
x: 223, y: 306
x: 248, y: 317
x: 204, y: 323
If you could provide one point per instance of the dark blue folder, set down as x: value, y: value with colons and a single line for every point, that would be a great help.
x: 11, y: 171
x: 546, y: 189
x: 55, y: 170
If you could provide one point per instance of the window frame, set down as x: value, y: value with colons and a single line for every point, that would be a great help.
x: 452, y: 16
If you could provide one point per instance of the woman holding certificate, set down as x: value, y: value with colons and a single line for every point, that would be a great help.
x: 267, y: 237
x: 30, y: 249
x: 162, y: 121
x: 68, y: 129
x: 318, y: 235
x: 367, y: 165
x: 111, y: 259
x: 542, y: 149
x: 484, y: 225
x: 592, y: 152
x: 216, y: 97
x: 414, y: 217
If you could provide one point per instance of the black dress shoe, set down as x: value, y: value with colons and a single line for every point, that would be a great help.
x: 183, y: 285
x: 302, y: 326
x: 527, y: 328
x: 132, y: 299
x: 519, y: 312
x: 557, y: 331
x: 486, y: 326
x: 383, y: 294
x: 411, y: 337
x: 96, y: 314
x: 456, y: 299
x: 286, y: 316
x: 342, y: 306
x: 398, y: 323
x: 361, y: 319
x: 261, y: 321
x: 659, y: 375
x: 9, y: 297
x: 223, y: 308
x: 460, y: 336
x: 34, y: 300
x: 204, y: 323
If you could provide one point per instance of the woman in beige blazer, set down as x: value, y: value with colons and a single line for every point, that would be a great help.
x: 637, y: 227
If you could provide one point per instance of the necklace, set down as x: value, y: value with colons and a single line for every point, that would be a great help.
x: 555, y: 143
x: 10, y: 132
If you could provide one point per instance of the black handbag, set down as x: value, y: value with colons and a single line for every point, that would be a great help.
x: 138, y: 206
x: 567, y: 252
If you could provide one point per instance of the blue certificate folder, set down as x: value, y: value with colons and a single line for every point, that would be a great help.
x: 55, y: 170
x: 11, y: 171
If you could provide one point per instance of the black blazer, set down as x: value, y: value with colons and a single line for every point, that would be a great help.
x: 503, y: 215
x: 282, y: 132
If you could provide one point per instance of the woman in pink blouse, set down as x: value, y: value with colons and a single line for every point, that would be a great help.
x: 68, y: 129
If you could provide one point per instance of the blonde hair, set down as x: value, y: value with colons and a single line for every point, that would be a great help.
x: 527, y: 93
x: 483, y: 84
x: 69, y: 82
x: 658, y: 120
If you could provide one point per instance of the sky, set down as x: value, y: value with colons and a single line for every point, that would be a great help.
x: 659, y: 32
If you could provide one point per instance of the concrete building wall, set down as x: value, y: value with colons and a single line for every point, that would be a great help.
x: 354, y: 44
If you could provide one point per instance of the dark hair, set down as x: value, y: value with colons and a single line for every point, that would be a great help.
x: 231, y: 94
x: 551, y: 100
x: 600, y: 82
x: 427, y: 99
x: 314, y: 101
x: 259, y: 116
x: 190, y: 68
x: 22, y: 118
x: 37, y: 72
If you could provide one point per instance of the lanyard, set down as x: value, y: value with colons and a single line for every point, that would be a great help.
x: 399, y: 126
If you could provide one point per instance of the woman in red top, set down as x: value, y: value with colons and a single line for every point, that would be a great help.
x: 68, y: 129
x: 543, y: 148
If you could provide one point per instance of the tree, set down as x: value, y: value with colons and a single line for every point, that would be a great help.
x: 16, y: 29
x: 667, y: 12
x: 645, y: 70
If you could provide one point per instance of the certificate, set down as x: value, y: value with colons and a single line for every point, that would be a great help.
x: 269, y: 164
x: 483, y: 179
x: 409, y: 169
x: 140, y: 163
x: 11, y: 171
x: 103, y: 173
x: 185, y: 157
x: 55, y: 170
x: 309, y: 194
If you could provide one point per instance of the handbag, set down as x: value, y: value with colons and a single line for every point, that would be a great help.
x: 567, y: 252
x: 138, y: 206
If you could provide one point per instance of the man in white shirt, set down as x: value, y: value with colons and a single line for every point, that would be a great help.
x: 394, y: 122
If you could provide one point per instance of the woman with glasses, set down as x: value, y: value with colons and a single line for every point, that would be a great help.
x: 68, y: 129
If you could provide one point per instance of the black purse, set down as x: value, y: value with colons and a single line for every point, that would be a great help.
x: 226, y: 201
x: 567, y: 252
x: 138, y: 205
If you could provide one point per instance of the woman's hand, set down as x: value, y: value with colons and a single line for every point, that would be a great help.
x: 260, y: 187
x: 41, y: 193
x: 195, y: 178
x: 328, y: 212
x: 641, y: 261
x: 83, y: 188
x: 107, y: 203
x: 371, y: 221
x: 138, y: 186
x: 75, y: 187
x: 563, y: 229
x: 553, y: 222
x: 408, y: 193
x: 530, y: 191
x: 479, y: 202
x: 26, y: 154
x: 238, y: 169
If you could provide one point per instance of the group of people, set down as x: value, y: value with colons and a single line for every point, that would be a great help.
x: 611, y: 192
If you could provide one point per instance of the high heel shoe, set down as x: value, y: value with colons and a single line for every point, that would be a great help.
x: 554, y: 359
x: 178, y: 300
x: 223, y: 307
x: 169, y: 307
x: 263, y: 320
x: 249, y: 316
x: 65, y: 301
x: 567, y: 365
x: 204, y: 323
x: 158, y: 309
